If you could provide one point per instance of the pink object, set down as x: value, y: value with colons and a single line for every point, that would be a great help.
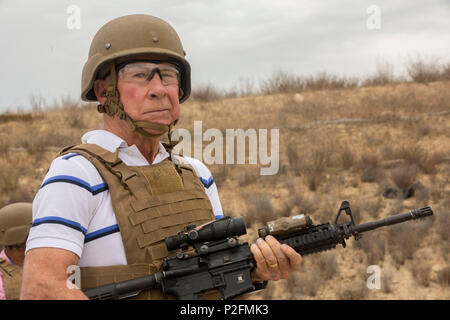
x: 2, y: 290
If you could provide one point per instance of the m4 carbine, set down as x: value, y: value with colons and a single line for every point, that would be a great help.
x: 222, y: 263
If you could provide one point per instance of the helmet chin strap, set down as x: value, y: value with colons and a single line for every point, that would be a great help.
x: 114, y: 107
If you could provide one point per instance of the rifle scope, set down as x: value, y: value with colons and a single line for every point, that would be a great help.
x: 216, y: 230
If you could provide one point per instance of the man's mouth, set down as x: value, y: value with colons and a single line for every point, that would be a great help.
x: 157, y: 110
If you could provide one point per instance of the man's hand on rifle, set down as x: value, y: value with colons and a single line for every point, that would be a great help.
x: 273, y: 260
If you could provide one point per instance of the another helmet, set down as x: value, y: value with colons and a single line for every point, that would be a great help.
x: 15, y: 223
x: 132, y: 35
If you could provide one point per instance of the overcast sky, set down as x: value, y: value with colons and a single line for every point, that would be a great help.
x: 225, y: 40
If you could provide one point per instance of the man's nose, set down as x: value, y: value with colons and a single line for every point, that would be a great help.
x: 156, y: 87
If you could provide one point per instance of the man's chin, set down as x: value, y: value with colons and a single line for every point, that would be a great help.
x: 155, y: 132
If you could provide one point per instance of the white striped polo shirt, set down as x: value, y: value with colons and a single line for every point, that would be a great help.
x: 73, y: 210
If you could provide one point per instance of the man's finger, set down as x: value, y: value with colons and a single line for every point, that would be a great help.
x: 260, y: 261
x: 270, y: 257
x: 283, y: 261
x: 295, y: 259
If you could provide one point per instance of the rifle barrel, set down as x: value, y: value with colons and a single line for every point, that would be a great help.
x: 398, y: 218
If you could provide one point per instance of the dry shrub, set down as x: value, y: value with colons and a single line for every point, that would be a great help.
x: 297, y: 204
x: 443, y: 224
x: 422, y: 274
x: 292, y: 106
x: 422, y: 130
x: 282, y: 82
x: 386, y: 281
x: 370, y: 160
x: 406, y: 238
x: 373, y: 246
x: 220, y: 173
x: 313, y: 178
x: 9, y: 173
x: 327, y: 263
x: 206, y: 93
x: 294, y: 158
x: 302, y: 283
x: 388, y: 152
x: 443, y: 277
x: 73, y: 116
x: 72, y: 112
x: 384, y: 74
x: 326, y: 212
x: 34, y: 141
x: 431, y: 161
x: 445, y: 74
x: 22, y: 194
x: 372, y: 207
x: 347, y: 157
x: 314, y: 170
x: 324, y: 80
x: 412, y: 154
x: 422, y: 196
x: 416, y: 155
x: 248, y: 179
x: 5, y: 144
x: 356, y: 290
x: 423, y: 71
x: 22, y: 117
x: 404, y: 176
x: 370, y: 165
x: 261, y: 209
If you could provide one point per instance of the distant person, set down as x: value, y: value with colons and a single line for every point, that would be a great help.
x: 107, y: 205
x: 15, y: 224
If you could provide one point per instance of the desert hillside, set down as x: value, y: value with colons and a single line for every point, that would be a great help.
x: 385, y: 149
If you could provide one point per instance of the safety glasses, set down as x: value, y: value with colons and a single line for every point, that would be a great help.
x: 143, y: 72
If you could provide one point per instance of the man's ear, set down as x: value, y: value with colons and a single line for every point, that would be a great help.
x: 100, y: 90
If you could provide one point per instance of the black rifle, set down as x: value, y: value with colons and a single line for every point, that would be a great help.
x: 224, y: 264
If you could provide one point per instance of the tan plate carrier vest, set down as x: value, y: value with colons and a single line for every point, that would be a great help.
x: 150, y: 203
x: 12, y: 279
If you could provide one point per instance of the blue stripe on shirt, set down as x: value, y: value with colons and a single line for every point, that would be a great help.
x: 101, y: 233
x: 76, y: 181
x: 62, y: 221
x: 207, y: 183
x: 70, y: 155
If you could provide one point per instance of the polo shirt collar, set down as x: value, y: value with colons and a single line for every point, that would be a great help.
x: 111, y: 142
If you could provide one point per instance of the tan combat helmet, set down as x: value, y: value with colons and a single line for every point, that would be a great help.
x: 125, y: 37
x: 15, y: 223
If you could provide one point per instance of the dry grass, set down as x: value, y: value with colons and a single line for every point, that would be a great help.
x: 404, y: 176
x: 355, y: 290
x: 373, y: 246
x: 422, y: 274
x: 443, y: 277
x: 334, y: 144
x: 419, y: 69
x: 405, y: 239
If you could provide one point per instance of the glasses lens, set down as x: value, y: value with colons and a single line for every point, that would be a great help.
x: 143, y: 72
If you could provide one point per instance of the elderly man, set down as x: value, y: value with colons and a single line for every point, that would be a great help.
x: 107, y: 205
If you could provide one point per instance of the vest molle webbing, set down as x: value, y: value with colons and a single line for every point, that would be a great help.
x: 150, y: 203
